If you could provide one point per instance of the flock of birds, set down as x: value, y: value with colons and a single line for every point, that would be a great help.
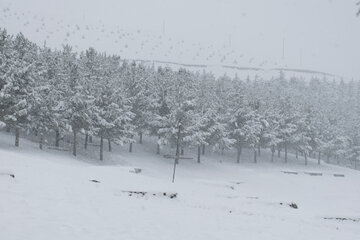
x: 133, y: 44
x: 141, y: 46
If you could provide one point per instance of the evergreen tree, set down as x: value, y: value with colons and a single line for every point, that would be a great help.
x: 17, y: 92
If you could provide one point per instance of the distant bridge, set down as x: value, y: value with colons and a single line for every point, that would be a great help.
x: 234, y: 67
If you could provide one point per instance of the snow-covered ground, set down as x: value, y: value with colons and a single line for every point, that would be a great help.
x: 52, y: 197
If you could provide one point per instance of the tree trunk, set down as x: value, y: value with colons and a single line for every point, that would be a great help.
x: 199, y: 153
x: 301, y: 153
x: 337, y: 160
x: 158, y: 146
x: 296, y: 153
x: 57, y: 138
x: 86, y: 140
x: 74, y: 144
x: 222, y: 151
x: 279, y: 151
x: 272, y: 153
x: 238, y: 153
x: 259, y: 153
x: 319, y: 157
x: 17, y: 136
x: 203, y: 149
x: 101, y: 148
x: 255, y: 158
x: 130, y: 147
x: 141, y: 135
x: 8, y: 128
x: 285, y: 149
x: 109, y: 142
x: 306, y: 160
x: 327, y: 158
x: 41, y: 141
x: 177, y: 146
x: 182, y: 151
x: 90, y: 139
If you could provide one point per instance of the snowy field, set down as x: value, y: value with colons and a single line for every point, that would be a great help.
x: 282, y: 74
x: 52, y: 197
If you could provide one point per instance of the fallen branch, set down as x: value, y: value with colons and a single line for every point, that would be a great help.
x: 292, y: 205
x: 58, y: 148
x: 8, y: 174
x: 142, y: 194
x: 313, y: 173
x: 290, y: 172
x: 136, y: 170
x: 343, y: 219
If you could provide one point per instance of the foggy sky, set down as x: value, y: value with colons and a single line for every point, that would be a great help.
x: 322, y: 35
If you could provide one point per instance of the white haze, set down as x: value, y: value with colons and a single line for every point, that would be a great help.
x: 320, y: 35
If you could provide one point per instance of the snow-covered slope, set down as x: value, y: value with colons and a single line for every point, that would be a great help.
x: 52, y: 197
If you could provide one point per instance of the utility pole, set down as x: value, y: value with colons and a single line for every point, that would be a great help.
x: 163, y: 27
x: 175, y: 162
x: 283, y: 49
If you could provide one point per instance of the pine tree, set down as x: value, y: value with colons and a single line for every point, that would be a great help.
x: 159, y: 105
x: 111, y: 113
x: 17, y: 92
x: 181, y: 110
x: 77, y: 100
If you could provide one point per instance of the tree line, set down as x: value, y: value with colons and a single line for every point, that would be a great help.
x: 59, y: 92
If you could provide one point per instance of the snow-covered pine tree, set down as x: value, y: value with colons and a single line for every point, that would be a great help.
x: 220, y: 133
x: 15, y: 97
x: 77, y: 102
x: 137, y: 87
x: 302, y: 136
x: 91, y: 65
x: 159, y: 105
x: 287, y: 126
x: 41, y: 117
x: 239, y: 116
x: 181, y: 106
x: 220, y: 114
x: 271, y: 133
x: 6, y: 60
x: 199, y: 132
x: 111, y: 115
x: 6, y: 56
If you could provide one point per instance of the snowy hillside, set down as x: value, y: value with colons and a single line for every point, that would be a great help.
x: 179, y: 120
x: 53, y: 196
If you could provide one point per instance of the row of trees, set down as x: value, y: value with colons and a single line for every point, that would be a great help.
x: 53, y: 92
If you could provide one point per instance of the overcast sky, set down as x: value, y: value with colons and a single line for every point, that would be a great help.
x: 322, y: 35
